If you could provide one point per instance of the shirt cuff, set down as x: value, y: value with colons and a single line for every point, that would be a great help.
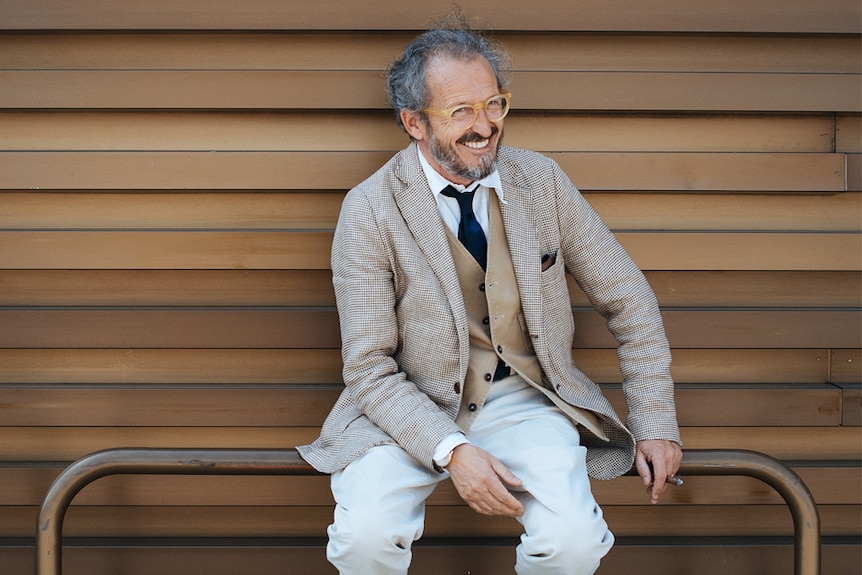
x: 445, y: 447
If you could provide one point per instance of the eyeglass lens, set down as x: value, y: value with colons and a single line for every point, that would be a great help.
x: 495, y: 108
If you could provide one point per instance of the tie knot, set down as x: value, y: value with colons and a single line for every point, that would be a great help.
x: 469, y: 231
x: 465, y: 199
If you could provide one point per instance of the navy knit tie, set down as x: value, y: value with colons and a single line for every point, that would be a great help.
x: 469, y: 231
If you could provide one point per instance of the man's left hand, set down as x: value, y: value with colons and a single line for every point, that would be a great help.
x: 656, y: 461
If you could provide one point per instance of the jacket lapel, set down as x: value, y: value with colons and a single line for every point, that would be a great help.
x: 521, y: 233
x: 419, y: 209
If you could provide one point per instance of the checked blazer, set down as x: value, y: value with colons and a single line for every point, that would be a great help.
x: 404, y: 327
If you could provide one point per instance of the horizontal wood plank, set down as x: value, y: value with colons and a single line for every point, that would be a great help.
x: 693, y: 92
x: 839, y: 485
x: 135, y: 287
x: 771, y: 441
x: 702, y: 557
x: 441, y: 521
x: 307, y: 250
x: 317, y: 90
x: 846, y: 366
x: 299, y: 131
x: 731, y: 16
x: 323, y: 366
x: 32, y: 210
x: 185, y: 366
x: 69, y: 443
x: 210, y: 211
x: 300, y: 50
x: 342, y: 170
x: 318, y: 328
x: 291, y: 406
x: 854, y: 172
x: 303, y: 287
x: 181, y: 287
x: 851, y: 404
x: 729, y: 212
x: 750, y: 289
x: 159, y: 250
x: 848, y: 133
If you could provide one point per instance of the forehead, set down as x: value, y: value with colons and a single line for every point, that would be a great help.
x: 453, y: 81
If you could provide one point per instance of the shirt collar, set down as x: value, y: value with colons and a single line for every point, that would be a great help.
x: 438, y: 182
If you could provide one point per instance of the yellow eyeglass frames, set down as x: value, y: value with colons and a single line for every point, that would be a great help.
x: 464, y: 116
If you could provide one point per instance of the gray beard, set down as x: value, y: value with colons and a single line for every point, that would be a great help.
x: 449, y: 160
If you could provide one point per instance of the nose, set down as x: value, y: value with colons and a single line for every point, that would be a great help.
x: 482, y: 125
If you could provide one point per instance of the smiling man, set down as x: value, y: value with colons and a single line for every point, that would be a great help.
x: 449, y: 266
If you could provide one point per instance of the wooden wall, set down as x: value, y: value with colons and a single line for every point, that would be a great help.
x: 170, y: 175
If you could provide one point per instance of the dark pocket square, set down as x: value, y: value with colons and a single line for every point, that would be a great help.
x: 548, y: 260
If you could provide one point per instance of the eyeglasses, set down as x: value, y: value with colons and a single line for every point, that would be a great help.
x: 464, y: 115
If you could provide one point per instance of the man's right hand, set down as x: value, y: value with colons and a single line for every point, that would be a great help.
x: 481, y: 480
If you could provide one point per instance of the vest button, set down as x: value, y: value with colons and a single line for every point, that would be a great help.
x: 486, y: 320
x: 457, y: 387
x: 473, y: 407
x: 489, y: 376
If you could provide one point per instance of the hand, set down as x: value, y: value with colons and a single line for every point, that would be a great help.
x: 656, y: 461
x: 481, y: 480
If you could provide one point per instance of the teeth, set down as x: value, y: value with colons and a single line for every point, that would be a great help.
x: 477, y: 145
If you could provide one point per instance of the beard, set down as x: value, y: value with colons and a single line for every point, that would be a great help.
x: 447, y: 156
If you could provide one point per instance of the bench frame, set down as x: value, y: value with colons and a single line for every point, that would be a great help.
x: 49, y: 536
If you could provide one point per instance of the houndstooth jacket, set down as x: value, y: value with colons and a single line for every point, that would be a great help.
x: 405, y: 341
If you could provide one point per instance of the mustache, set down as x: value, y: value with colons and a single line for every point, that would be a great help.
x: 474, y: 137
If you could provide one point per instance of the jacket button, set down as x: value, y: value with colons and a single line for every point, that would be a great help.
x: 457, y: 387
x: 473, y: 407
x: 489, y: 376
x: 500, y: 348
x: 482, y: 287
x: 486, y: 320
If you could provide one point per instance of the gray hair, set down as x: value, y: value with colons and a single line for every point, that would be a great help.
x: 405, y: 79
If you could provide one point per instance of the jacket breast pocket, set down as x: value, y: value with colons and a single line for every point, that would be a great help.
x: 555, y: 294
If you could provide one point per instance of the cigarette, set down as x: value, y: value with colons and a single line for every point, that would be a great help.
x: 675, y: 481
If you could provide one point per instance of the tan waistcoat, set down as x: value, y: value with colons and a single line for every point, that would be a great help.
x: 497, y: 327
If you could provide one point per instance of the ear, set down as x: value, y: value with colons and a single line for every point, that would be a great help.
x: 414, y: 124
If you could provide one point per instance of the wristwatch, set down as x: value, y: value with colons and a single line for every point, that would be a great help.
x: 441, y: 464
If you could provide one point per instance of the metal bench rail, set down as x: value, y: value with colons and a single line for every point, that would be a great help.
x: 49, y: 536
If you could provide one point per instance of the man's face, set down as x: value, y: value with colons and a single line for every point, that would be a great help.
x: 462, y: 155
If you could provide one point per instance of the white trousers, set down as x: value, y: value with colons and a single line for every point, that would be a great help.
x: 380, y: 497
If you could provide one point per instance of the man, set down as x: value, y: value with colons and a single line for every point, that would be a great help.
x: 457, y: 333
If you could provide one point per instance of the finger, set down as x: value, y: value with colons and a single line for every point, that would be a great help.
x: 643, y: 468
x: 660, y: 474
x: 495, y: 504
x: 490, y: 497
x: 660, y: 471
x: 504, y: 503
x: 505, y: 474
x: 656, y: 491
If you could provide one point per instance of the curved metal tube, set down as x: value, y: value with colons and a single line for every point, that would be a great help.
x: 49, y: 536
x: 806, y: 518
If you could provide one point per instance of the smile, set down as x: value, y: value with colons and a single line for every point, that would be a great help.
x: 477, y: 145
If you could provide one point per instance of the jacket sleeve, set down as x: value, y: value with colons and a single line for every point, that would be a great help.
x: 619, y: 291
x: 364, y: 261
